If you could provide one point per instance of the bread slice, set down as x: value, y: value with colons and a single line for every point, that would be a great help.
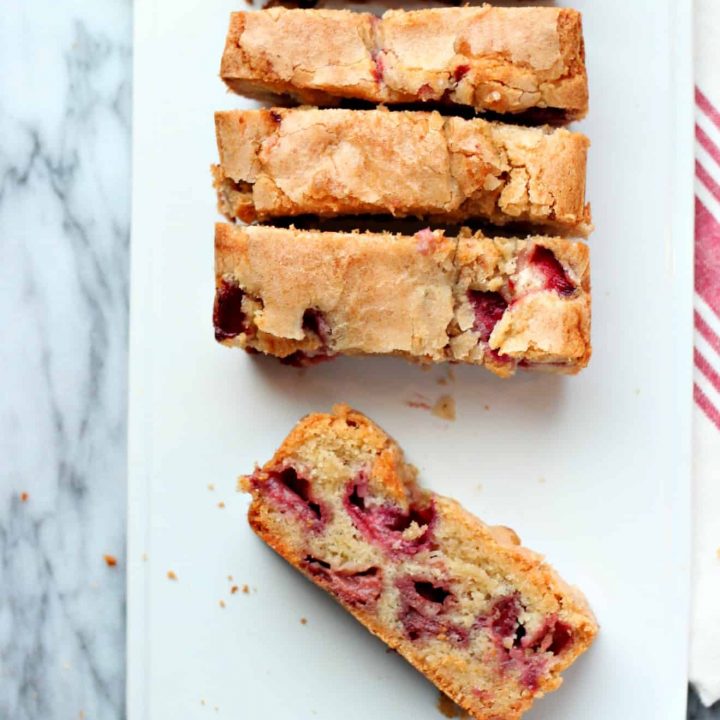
x: 285, y: 162
x: 485, y: 619
x: 501, y: 303
x: 505, y: 60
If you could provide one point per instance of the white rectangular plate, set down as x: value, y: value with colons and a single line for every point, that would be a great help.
x: 591, y: 470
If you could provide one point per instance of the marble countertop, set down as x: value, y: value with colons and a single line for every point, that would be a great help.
x: 65, y: 122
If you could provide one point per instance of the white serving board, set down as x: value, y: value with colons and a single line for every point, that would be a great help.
x: 593, y: 471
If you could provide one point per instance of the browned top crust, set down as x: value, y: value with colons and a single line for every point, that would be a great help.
x: 284, y: 162
x: 496, y: 302
x: 506, y: 60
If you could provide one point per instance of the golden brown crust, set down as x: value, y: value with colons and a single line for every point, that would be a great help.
x: 507, y: 60
x: 330, y: 447
x: 286, y: 162
x: 417, y: 296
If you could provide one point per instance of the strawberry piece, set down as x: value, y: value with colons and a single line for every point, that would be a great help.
x: 489, y: 308
x: 556, y: 278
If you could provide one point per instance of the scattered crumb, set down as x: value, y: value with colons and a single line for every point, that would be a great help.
x: 216, y: 708
x: 233, y: 589
x: 24, y: 497
x: 444, y: 407
x: 222, y: 603
x: 221, y: 504
x: 303, y: 621
x: 541, y: 480
x: 479, y: 487
x: 230, y: 578
x: 717, y: 553
x: 66, y: 665
x: 449, y: 709
x: 246, y: 590
x: 202, y: 702
x: 110, y: 560
x: 81, y: 715
x: 448, y: 379
x: 420, y: 401
x: 637, y: 391
x: 145, y: 557
x: 487, y: 407
x: 211, y: 487
x: 171, y: 575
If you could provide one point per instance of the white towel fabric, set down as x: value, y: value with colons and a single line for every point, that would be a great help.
x: 705, y: 621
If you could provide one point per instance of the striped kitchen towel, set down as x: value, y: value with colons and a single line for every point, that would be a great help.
x: 705, y: 622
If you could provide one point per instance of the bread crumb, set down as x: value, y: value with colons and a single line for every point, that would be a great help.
x: 110, y: 560
x: 202, y: 702
x: 211, y: 487
x: 541, y: 480
x: 24, y: 497
x: 221, y: 504
x: 246, y: 589
x: 171, y: 575
x: 230, y: 578
x: 420, y: 402
x: 303, y: 621
x: 448, y: 379
x: 222, y: 603
x: 444, y: 407
x: 487, y: 407
x: 81, y: 715
x: 449, y: 709
x: 479, y: 487
x: 717, y: 553
x: 233, y: 589
x: 144, y: 557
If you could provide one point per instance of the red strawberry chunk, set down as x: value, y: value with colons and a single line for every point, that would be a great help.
x: 489, y: 308
x: 556, y: 278
x: 460, y: 72
x: 385, y: 524
x: 289, y: 491
x: 228, y: 317
x: 354, y: 588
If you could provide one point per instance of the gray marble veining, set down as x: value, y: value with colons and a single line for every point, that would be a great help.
x: 65, y: 116
x: 65, y: 86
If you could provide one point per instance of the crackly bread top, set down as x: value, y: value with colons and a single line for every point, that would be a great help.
x: 498, y: 302
x: 283, y: 162
x: 506, y: 60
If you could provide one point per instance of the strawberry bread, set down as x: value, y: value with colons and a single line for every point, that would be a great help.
x: 500, y: 303
x: 285, y: 162
x: 485, y: 619
x: 504, y: 60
